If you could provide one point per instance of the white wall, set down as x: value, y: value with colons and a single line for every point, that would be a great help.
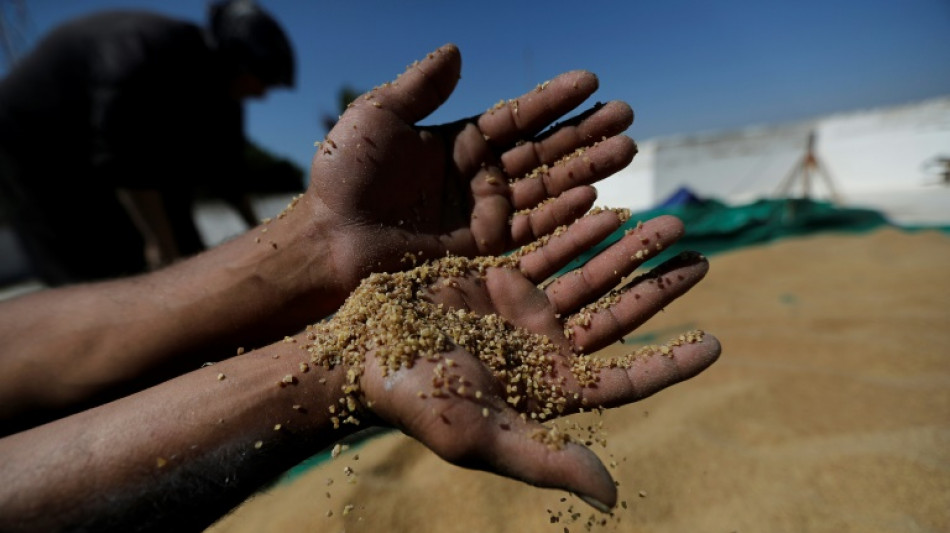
x: 886, y: 149
x: 736, y: 167
x: 632, y: 187
x: 875, y: 158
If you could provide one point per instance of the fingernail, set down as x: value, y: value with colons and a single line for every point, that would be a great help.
x: 595, y: 503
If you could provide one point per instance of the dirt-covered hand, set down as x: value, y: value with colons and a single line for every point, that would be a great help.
x: 478, y: 186
x: 470, y: 356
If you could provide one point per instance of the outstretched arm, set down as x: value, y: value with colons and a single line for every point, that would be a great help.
x: 468, y: 356
x: 383, y: 190
x: 175, y: 457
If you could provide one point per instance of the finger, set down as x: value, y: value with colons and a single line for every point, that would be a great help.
x: 596, y: 124
x: 609, y: 319
x: 529, y: 452
x: 541, y: 259
x: 490, y: 211
x: 581, y: 167
x: 635, y: 377
x: 531, y: 224
x: 602, y: 273
x: 521, y: 303
x: 528, y: 114
x: 476, y: 428
x: 422, y: 88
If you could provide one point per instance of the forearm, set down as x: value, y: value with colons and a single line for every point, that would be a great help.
x: 88, y: 343
x: 186, y: 450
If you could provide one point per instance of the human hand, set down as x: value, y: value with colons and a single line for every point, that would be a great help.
x: 469, y: 356
x: 387, y: 187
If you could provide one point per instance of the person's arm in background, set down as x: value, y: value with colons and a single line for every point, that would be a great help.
x: 245, y: 209
x: 147, y: 211
x: 178, y: 455
x: 382, y: 191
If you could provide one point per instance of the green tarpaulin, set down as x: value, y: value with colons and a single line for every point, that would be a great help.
x: 713, y: 227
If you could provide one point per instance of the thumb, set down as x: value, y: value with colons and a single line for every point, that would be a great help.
x: 528, y: 451
x: 425, y: 85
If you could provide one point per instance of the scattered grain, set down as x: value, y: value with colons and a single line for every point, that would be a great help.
x: 391, y: 321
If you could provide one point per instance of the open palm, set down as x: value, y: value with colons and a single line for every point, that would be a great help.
x: 392, y: 187
x: 473, y: 412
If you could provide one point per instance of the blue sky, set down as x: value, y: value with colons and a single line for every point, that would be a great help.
x: 685, y: 66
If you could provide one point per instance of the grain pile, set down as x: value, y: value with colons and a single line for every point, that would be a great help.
x: 828, y: 412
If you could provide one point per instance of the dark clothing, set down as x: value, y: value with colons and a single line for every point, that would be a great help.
x: 123, y: 99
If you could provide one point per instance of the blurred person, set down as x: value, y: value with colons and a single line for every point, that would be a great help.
x: 115, y: 121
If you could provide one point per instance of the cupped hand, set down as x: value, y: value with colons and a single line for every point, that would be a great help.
x: 487, y: 349
x: 478, y: 186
